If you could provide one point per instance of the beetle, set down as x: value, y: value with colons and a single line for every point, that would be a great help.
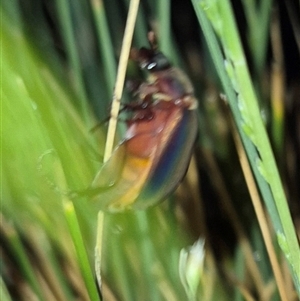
x: 153, y: 157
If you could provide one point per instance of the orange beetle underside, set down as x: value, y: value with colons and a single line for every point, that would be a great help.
x: 133, y: 161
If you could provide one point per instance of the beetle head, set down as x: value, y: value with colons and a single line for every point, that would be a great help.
x: 150, y: 59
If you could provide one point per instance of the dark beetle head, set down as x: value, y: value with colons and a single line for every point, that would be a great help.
x: 151, y: 60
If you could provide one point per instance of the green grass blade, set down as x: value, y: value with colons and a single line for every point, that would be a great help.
x: 147, y: 253
x: 105, y: 43
x: 64, y: 12
x: 258, y: 20
x: 164, y: 18
x: 235, y: 79
x: 80, y: 250
x: 141, y: 28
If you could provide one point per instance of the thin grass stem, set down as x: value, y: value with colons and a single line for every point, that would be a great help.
x: 235, y: 221
x: 261, y: 217
x: 126, y: 46
x: 277, y: 86
x: 80, y: 250
x: 98, y: 247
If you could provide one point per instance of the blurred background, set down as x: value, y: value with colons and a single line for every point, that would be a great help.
x: 58, y: 68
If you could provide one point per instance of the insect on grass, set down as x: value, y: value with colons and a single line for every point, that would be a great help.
x: 151, y: 160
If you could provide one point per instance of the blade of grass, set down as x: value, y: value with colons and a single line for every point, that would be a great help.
x: 267, y: 165
x: 277, y: 86
x: 98, y: 247
x: 64, y: 12
x: 41, y: 87
x: 239, y: 267
x: 262, y: 219
x: 218, y: 60
x: 76, y: 234
x: 126, y: 46
x: 104, y: 42
x: 122, y: 275
x: 258, y: 21
x: 249, y: 123
x: 146, y: 248
x: 235, y: 220
x: 164, y: 19
x: 80, y: 250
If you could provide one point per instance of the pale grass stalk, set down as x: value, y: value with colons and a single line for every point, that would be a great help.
x: 119, y: 85
x: 236, y: 223
x: 126, y: 45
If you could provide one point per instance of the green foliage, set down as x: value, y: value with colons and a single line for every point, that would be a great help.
x: 243, y: 101
x: 58, y: 67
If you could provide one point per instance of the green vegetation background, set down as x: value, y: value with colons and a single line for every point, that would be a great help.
x: 58, y: 66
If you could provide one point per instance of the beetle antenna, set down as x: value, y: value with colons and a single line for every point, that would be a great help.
x: 152, y: 40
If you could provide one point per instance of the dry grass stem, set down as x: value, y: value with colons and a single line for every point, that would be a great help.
x: 125, y: 50
x: 235, y: 221
x: 126, y: 45
x: 262, y: 219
